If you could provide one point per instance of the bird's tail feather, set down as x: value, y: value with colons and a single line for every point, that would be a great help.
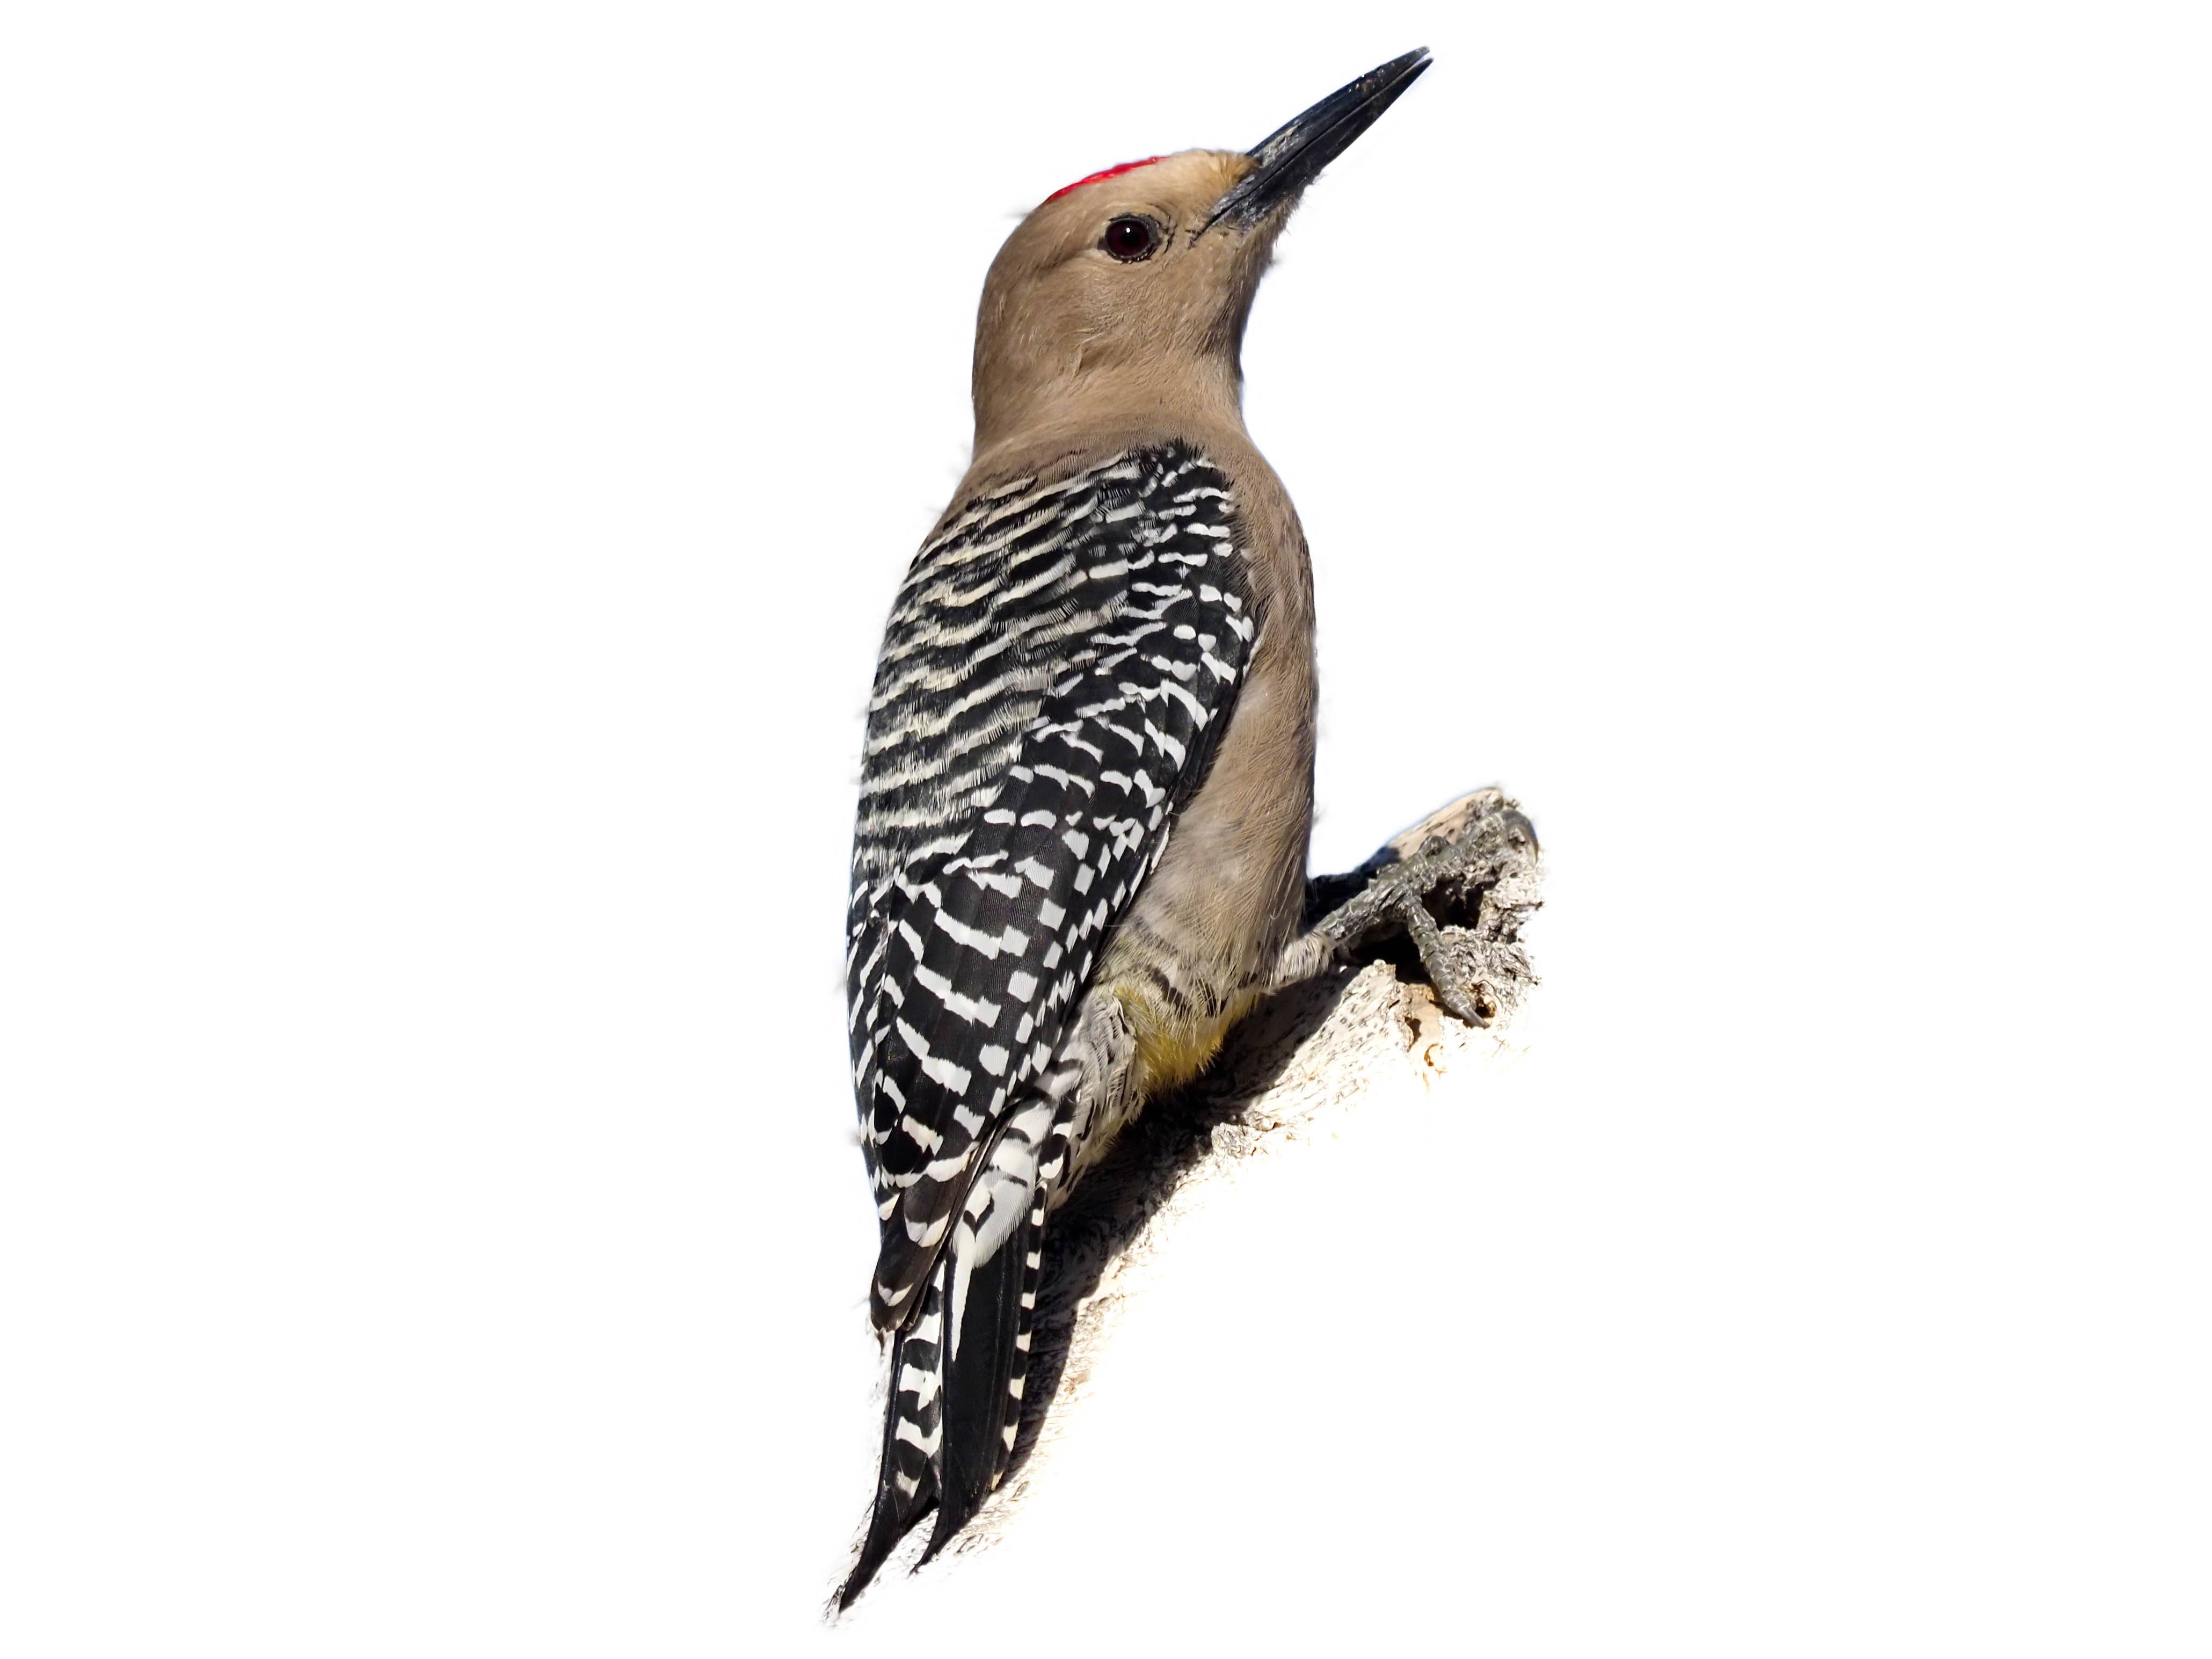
x: 987, y: 1367
x: 957, y: 1372
x: 913, y: 1427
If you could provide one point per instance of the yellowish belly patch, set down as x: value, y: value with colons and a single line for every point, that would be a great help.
x: 1173, y: 1047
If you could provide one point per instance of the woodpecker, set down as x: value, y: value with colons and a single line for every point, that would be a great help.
x: 1087, y: 785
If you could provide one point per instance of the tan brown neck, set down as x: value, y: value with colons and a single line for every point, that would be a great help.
x: 1136, y: 398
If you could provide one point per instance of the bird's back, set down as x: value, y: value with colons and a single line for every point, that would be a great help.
x: 1059, y: 668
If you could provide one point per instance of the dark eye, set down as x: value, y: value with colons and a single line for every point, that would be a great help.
x: 1131, y: 238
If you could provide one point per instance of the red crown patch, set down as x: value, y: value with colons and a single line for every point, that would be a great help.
x: 1110, y: 172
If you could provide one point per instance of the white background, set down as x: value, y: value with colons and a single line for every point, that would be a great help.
x: 455, y: 460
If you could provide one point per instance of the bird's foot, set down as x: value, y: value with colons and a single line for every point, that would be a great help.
x: 1456, y: 887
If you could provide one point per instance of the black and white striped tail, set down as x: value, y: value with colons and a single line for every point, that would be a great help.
x: 958, y: 1371
x: 906, y: 1484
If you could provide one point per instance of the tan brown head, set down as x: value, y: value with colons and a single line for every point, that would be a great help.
x: 1123, y: 297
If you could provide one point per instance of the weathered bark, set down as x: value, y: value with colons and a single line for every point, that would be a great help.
x: 1305, y: 1057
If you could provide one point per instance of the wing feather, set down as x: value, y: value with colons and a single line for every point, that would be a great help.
x: 1059, y: 663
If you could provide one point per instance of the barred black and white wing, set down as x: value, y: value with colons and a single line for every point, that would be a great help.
x: 1059, y: 663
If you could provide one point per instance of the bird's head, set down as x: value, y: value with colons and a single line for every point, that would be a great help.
x: 1126, y: 293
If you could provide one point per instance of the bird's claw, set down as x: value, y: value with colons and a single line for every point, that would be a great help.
x: 1448, y: 870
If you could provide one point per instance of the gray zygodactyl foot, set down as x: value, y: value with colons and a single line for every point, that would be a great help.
x: 1448, y: 869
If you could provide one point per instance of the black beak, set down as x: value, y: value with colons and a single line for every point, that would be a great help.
x: 1290, y: 156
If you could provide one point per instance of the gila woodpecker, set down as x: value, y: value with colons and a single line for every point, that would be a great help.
x: 1088, y: 778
